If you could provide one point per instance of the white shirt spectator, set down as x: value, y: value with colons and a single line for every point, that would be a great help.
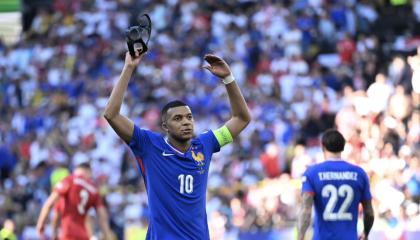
x: 378, y: 94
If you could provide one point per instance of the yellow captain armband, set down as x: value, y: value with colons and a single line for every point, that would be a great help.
x: 223, y: 136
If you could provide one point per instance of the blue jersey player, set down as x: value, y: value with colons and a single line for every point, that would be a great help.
x: 175, y: 167
x: 335, y: 187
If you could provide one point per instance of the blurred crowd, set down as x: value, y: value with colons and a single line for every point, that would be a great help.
x: 303, y: 66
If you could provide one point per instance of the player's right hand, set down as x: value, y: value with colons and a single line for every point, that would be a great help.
x: 217, y: 66
x: 54, y: 235
x: 133, y: 62
x: 363, y: 237
x: 40, y: 230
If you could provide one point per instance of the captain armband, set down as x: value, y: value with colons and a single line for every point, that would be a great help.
x: 223, y: 136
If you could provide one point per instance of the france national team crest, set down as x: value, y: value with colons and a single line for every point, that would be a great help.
x: 199, y: 160
x: 199, y: 157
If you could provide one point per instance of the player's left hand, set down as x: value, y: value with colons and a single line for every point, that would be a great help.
x: 217, y: 66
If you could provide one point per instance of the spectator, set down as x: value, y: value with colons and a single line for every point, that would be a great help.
x: 8, y: 230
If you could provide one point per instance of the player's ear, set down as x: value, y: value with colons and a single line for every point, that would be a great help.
x: 164, y: 126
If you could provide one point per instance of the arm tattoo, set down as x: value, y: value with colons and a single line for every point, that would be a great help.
x: 304, y: 218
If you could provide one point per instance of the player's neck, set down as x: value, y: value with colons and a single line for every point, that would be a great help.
x: 332, y: 156
x: 180, y: 146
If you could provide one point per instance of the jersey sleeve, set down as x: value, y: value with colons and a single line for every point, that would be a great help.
x: 366, y: 195
x: 307, y: 186
x: 138, y: 141
x: 210, y: 141
x: 59, y: 206
x: 63, y: 187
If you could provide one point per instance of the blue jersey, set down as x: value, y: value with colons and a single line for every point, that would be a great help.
x: 176, y: 184
x: 338, y: 188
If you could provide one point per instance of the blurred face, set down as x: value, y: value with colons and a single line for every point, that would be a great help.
x: 9, y: 225
x: 87, y: 173
x: 380, y: 78
x: 179, y: 123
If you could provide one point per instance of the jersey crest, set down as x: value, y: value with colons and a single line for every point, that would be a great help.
x: 199, y: 157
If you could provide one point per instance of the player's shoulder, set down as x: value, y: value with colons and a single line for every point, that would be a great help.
x: 361, y: 171
x: 207, y: 132
x: 311, y: 169
x: 354, y: 167
x: 88, y: 180
x: 86, y: 183
x: 67, y: 180
x: 144, y: 130
x: 152, y: 135
x: 65, y: 183
x: 205, y: 136
x: 348, y: 166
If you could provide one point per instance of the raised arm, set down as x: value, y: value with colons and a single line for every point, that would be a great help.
x: 305, y: 212
x: 121, y: 124
x: 368, y: 218
x: 40, y: 226
x: 240, y: 112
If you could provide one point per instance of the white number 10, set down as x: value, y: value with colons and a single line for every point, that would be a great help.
x: 186, y: 183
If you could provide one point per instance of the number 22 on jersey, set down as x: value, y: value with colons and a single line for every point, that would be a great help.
x: 330, y: 191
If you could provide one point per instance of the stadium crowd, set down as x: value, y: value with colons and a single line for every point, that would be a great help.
x: 303, y: 66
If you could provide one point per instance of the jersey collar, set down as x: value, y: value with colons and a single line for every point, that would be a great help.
x: 334, y: 159
x: 176, y: 150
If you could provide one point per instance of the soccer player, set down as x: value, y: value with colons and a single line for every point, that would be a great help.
x: 336, y: 188
x: 175, y: 167
x: 78, y: 194
x: 58, y: 209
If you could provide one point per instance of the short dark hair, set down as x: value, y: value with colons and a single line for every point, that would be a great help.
x: 169, y: 105
x: 84, y: 165
x: 333, y: 141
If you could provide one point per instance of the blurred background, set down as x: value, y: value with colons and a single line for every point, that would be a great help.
x: 303, y: 66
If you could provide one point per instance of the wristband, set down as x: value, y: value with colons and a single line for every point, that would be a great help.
x: 228, y: 79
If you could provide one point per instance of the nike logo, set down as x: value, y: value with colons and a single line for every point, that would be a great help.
x: 167, y: 154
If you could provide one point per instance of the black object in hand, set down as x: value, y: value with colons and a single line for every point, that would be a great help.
x: 138, y: 36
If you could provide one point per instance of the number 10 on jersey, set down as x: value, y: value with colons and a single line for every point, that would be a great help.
x: 186, y: 183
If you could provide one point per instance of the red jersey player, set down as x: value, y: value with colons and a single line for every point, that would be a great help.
x: 78, y: 194
x: 55, y: 221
